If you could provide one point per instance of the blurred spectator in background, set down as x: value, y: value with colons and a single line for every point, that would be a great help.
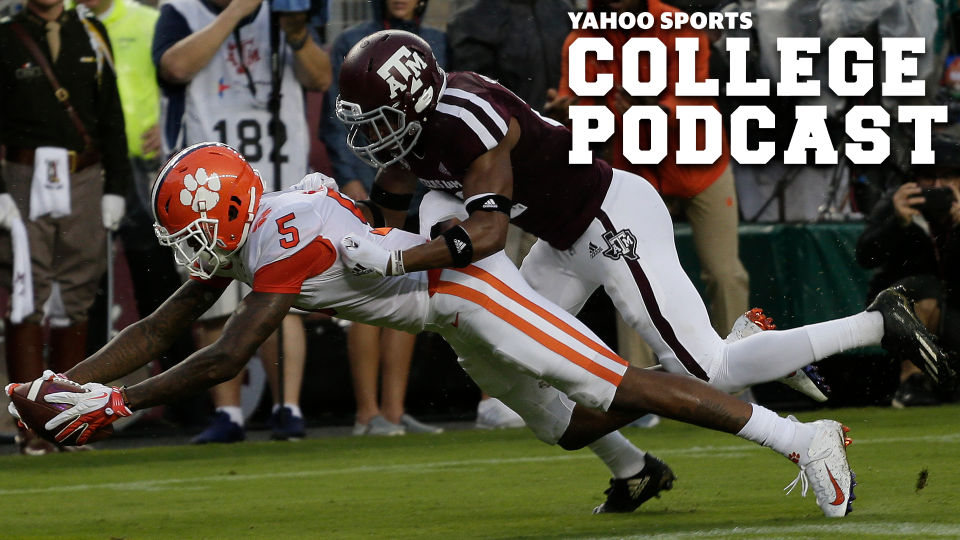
x: 518, y: 44
x: 912, y: 239
x: 213, y: 58
x: 66, y: 169
x: 379, y: 358
x: 705, y: 192
x: 130, y: 25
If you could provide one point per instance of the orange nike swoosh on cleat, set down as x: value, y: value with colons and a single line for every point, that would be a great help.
x: 456, y: 322
x: 840, y: 498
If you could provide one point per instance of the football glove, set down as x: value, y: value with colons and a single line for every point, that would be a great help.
x: 368, y: 259
x: 316, y: 182
x: 91, y: 410
x: 12, y: 409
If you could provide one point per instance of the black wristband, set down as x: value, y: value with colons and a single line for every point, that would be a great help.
x: 460, y: 246
x: 390, y: 201
x: 488, y: 202
x: 378, y: 219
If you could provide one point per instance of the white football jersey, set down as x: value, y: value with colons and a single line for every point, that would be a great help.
x: 292, y: 248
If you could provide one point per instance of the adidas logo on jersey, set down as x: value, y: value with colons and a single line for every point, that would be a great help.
x: 460, y: 245
x: 490, y: 204
x: 360, y: 270
x: 594, y: 250
x: 443, y: 170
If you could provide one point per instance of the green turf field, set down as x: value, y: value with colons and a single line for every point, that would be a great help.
x: 482, y: 485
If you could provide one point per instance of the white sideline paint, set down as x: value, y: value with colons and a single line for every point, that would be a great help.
x: 441, y: 466
x: 913, y: 530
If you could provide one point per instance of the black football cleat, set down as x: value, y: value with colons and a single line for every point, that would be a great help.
x: 627, y: 494
x: 905, y: 336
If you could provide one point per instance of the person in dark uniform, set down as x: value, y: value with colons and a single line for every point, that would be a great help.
x: 66, y: 169
x: 597, y: 226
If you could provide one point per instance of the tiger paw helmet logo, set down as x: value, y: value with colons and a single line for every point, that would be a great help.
x: 795, y: 457
x: 200, y: 187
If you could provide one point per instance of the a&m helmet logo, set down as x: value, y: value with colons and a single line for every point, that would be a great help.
x: 200, y: 191
x: 402, y: 73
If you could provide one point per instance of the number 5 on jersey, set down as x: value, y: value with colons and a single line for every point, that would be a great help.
x: 285, y: 230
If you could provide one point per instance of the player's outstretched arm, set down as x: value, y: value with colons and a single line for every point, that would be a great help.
x: 257, y: 316
x: 142, y: 342
x: 485, y: 231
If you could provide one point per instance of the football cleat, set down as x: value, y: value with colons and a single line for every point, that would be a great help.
x: 750, y: 323
x: 627, y: 494
x: 825, y: 467
x: 905, y: 336
x: 806, y: 380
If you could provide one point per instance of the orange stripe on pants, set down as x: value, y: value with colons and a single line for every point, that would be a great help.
x: 484, y: 301
x: 505, y: 289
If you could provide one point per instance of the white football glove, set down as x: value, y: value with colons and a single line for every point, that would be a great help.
x: 91, y: 410
x: 8, y: 211
x: 12, y: 409
x: 315, y: 182
x: 112, y: 207
x: 8, y: 389
x: 368, y: 259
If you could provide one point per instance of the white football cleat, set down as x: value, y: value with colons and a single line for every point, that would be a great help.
x: 825, y: 467
x: 806, y: 380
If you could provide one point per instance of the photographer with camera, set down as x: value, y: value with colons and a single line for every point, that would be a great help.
x: 213, y: 58
x: 912, y: 239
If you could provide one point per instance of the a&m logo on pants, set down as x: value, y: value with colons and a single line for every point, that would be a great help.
x: 620, y: 244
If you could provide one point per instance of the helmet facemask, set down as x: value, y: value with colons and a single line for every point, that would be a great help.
x: 380, y: 137
x: 195, y: 246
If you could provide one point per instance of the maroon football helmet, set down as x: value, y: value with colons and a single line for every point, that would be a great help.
x: 389, y: 84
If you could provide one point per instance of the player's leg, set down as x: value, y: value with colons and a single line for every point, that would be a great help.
x: 642, y: 273
x: 545, y: 272
x: 626, y: 462
x: 552, y: 417
x: 512, y: 324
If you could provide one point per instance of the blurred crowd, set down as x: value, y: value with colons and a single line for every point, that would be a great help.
x: 96, y: 94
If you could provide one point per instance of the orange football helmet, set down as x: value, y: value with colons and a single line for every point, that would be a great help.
x: 204, y: 201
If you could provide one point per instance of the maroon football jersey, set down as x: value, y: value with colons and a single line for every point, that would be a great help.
x: 552, y: 199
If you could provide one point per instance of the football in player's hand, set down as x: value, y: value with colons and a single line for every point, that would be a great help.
x: 35, y: 411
